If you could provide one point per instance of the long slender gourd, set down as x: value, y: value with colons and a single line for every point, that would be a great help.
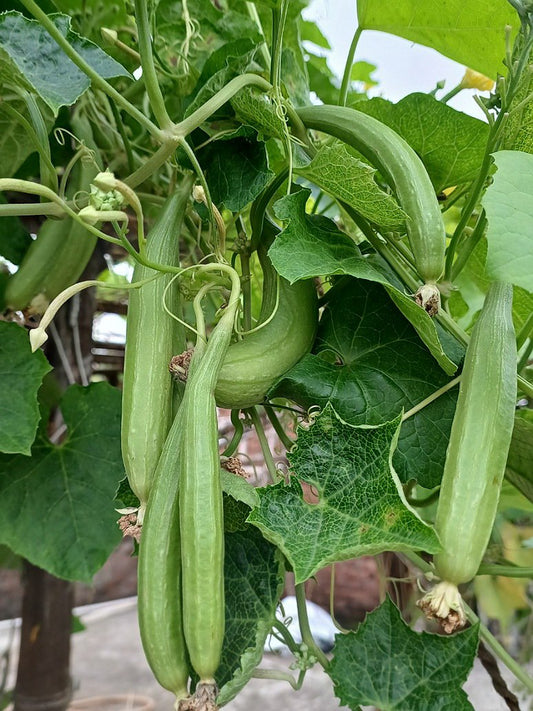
x: 402, y: 168
x: 254, y: 364
x: 201, y: 514
x: 477, y: 450
x: 152, y: 338
x: 159, y: 570
x: 58, y: 256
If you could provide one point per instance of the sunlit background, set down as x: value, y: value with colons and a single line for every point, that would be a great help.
x: 402, y: 67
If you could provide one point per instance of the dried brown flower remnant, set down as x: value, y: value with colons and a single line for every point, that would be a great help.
x: 234, y: 466
x: 129, y: 526
x: 179, y: 365
x: 203, y: 699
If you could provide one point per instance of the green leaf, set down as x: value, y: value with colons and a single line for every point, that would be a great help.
x: 519, y: 470
x: 451, y: 144
x: 21, y: 375
x: 31, y: 58
x: 228, y: 62
x: 14, y: 238
x: 349, y: 179
x: 236, y: 171
x: 509, y: 206
x: 472, y: 285
x: 255, y: 109
x: 15, y: 144
x: 473, y: 35
x: 312, y: 245
x: 185, y: 49
x: 238, y: 488
x: 57, y: 506
x: 311, y: 32
x: 388, y: 665
x: 253, y: 581
x: 379, y: 368
x: 361, y: 509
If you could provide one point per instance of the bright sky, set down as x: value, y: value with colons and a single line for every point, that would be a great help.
x: 402, y: 67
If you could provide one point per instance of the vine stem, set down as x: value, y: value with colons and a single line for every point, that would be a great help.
x: 431, y: 398
x: 343, y: 95
x: 525, y: 332
x: 484, y: 633
x: 265, y: 449
x: 280, y: 675
x: 506, y: 571
x: 305, y: 628
x: 470, y: 245
x: 86, y: 68
x: 153, y: 89
x: 287, y: 442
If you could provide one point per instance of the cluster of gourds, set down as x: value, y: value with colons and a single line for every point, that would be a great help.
x: 171, y: 454
x: 170, y: 436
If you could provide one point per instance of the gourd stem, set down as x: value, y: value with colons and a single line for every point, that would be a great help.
x: 153, y: 89
x: 159, y: 158
x: 506, y: 571
x: 265, y: 449
x: 469, y: 246
x: 524, y: 358
x: 237, y: 435
x: 254, y: 15
x: 305, y: 629
x: 86, y: 68
x: 287, y: 442
x: 426, y: 501
x: 246, y: 291
x: 346, y: 77
x: 525, y: 332
x: 431, y: 398
x: 197, y: 118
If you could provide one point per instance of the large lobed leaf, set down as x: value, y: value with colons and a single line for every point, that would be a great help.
x: 253, y: 580
x: 388, y: 665
x: 519, y: 470
x: 349, y: 179
x: 29, y: 56
x: 376, y: 367
x: 451, y: 144
x: 312, y: 245
x: 21, y: 375
x: 471, y: 33
x: 361, y: 509
x: 57, y: 505
x: 509, y: 206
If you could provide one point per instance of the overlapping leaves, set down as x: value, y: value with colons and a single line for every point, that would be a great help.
x: 360, y: 508
x: 370, y: 364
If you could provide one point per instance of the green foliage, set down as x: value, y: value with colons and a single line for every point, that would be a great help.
x: 58, y: 504
x: 473, y: 35
x: 386, y: 664
x: 352, y: 234
x: 346, y: 466
x: 508, y: 202
x: 22, y: 372
x: 370, y: 365
x: 31, y: 57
